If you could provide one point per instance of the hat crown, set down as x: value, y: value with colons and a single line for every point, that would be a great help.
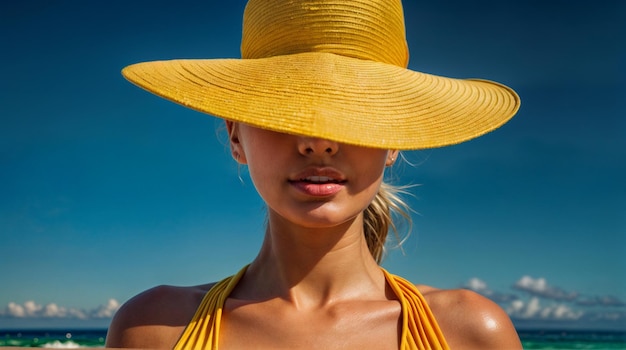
x: 365, y: 29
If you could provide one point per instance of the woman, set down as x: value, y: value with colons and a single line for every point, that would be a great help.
x: 317, y: 108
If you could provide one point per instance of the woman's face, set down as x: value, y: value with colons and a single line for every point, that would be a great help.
x: 308, y: 181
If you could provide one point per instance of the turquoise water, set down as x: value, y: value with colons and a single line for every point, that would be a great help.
x: 69, y: 339
x: 573, y: 340
x: 59, y: 339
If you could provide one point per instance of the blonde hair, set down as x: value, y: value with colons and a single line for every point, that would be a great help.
x: 382, y: 216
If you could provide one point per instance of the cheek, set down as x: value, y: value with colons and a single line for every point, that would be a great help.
x: 261, y: 180
x: 371, y: 173
x: 367, y: 184
x: 264, y: 170
x: 259, y: 170
x: 375, y: 165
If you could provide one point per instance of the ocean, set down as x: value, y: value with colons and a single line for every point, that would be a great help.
x: 55, y: 339
x: 70, y: 339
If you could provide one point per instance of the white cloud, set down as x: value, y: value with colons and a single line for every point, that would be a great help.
x: 52, y: 310
x: 30, y: 309
x: 545, y: 304
x: 534, y: 310
x: 107, y: 310
x: 15, y: 310
x: 479, y: 286
x: 539, y: 287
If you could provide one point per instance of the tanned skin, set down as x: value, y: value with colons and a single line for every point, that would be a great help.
x: 314, y: 283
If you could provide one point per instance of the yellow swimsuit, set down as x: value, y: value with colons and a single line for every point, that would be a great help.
x: 419, y: 328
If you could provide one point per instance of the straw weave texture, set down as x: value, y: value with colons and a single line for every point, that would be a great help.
x: 333, y: 69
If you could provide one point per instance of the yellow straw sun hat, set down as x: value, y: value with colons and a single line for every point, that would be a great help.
x: 333, y: 69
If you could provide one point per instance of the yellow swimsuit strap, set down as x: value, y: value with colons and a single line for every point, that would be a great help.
x: 204, y: 329
x: 419, y: 327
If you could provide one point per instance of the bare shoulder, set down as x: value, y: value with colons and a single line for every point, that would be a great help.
x: 469, y: 320
x: 155, y: 318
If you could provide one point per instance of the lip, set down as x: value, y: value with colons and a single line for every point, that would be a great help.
x: 318, y: 182
x: 331, y: 174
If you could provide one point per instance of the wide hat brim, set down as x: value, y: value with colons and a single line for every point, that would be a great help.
x: 334, y: 97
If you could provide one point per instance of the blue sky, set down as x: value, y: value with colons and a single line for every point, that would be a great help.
x: 106, y: 190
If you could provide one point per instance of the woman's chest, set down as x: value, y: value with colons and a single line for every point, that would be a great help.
x: 365, y: 324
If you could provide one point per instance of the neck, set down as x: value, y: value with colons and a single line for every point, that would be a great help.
x: 312, y: 266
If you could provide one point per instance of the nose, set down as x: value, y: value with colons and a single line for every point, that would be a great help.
x: 315, y: 146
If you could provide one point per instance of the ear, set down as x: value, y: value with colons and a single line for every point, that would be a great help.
x: 236, y: 148
x: 391, y: 157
